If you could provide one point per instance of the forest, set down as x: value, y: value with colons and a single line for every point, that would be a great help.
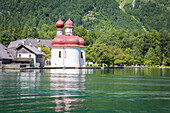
x: 133, y: 34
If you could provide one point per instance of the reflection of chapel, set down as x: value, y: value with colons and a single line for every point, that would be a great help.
x: 67, y: 50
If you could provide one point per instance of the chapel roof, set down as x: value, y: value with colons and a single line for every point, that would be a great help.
x: 68, y: 41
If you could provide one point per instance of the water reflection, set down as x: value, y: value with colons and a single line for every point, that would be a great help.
x: 29, y: 80
x: 132, y: 71
x: 91, y: 90
x: 68, y: 85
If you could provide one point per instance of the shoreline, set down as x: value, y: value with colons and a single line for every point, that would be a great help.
x: 88, y: 67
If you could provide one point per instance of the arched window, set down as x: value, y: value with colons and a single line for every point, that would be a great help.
x: 59, y: 54
x: 81, y: 55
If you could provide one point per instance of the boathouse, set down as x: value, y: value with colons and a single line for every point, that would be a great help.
x: 29, y: 52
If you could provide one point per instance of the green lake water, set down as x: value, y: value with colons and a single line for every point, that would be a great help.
x: 133, y: 90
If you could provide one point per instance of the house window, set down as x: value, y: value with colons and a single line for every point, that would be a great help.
x: 81, y: 54
x: 39, y: 56
x: 59, y: 54
x: 29, y: 56
x: 19, y: 55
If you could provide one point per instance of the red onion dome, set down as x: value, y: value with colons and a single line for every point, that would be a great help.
x: 58, y: 40
x: 67, y: 41
x: 60, y: 24
x: 81, y: 40
x: 71, y: 40
x: 69, y: 23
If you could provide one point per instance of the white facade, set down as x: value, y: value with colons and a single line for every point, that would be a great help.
x: 59, y: 32
x: 36, y: 58
x: 27, y: 55
x: 68, y: 57
x: 69, y: 31
x: 67, y: 50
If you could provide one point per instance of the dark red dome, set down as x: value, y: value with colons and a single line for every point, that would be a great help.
x: 71, y: 40
x: 69, y: 23
x: 60, y: 24
x: 81, y: 40
x: 67, y: 41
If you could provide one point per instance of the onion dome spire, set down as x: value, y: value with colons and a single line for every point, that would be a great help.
x: 69, y: 27
x: 69, y: 23
x: 60, y: 25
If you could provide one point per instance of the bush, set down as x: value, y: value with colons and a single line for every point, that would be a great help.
x: 148, y: 62
x: 167, y: 61
x: 155, y: 60
x: 118, y: 62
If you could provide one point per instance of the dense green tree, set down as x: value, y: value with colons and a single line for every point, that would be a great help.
x: 164, y: 44
x: 102, y: 54
x: 45, y: 50
x: 150, y: 54
x: 155, y: 60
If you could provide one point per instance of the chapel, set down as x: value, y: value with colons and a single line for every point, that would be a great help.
x: 67, y: 50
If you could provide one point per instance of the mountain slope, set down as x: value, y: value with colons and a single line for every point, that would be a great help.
x: 153, y: 14
x: 143, y: 15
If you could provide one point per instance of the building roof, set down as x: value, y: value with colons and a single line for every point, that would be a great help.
x: 68, y: 41
x: 13, y: 52
x: 4, y: 53
x: 33, y: 42
x: 31, y: 49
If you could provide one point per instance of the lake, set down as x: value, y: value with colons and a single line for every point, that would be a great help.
x: 128, y: 90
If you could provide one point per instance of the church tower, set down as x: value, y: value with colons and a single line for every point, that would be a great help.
x: 69, y: 27
x: 67, y: 50
x: 60, y: 25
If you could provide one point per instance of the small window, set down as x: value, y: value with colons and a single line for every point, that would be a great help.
x: 81, y: 54
x: 29, y: 56
x: 65, y: 55
x: 19, y: 55
x: 39, y: 56
x: 59, y: 55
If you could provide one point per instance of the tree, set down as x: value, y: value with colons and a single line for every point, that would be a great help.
x: 164, y: 44
x: 155, y: 60
x: 45, y: 50
x: 101, y: 54
x: 148, y: 62
x: 150, y: 54
x: 16, y: 33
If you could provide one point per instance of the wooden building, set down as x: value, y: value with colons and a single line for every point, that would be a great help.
x: 30, y: 52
